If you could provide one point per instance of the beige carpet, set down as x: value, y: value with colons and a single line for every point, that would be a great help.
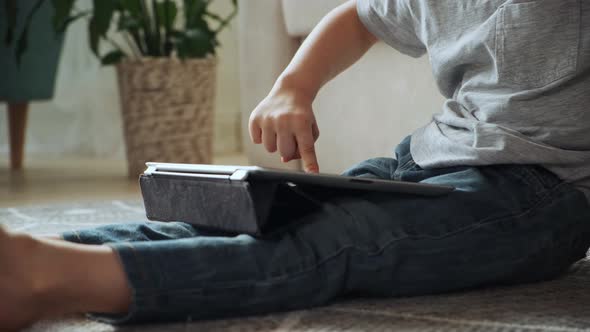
x: 558, y: 305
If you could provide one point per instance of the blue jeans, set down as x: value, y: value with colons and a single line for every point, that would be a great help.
x: 503, y: 224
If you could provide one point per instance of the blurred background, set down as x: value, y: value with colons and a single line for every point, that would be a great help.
x: 88, y: 137
x: 84, y: 120
x: 74, y: 139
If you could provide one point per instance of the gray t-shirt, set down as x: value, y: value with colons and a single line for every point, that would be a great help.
x: 516, y: 75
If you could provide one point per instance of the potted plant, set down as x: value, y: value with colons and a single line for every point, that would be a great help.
x: 164, y: 51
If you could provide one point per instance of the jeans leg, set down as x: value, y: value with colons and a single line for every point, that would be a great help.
x: 501, y: 225
x: 133, y: 232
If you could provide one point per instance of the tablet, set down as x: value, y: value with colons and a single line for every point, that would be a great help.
x: 226, y: 173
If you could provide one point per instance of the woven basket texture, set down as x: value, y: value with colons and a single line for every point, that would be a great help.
x: 167, y: 106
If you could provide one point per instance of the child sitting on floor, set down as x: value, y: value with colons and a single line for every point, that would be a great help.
x: 512, y: 138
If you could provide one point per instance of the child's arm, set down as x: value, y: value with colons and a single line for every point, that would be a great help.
x: 284, y: 120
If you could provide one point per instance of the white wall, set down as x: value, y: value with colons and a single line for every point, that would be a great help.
x: 227, y: 120
x: 83, y: 120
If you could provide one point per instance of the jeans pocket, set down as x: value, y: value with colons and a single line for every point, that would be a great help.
x: 537, y: 41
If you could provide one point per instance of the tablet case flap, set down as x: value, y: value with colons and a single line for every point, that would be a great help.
x: 221, y: 205
x: 256, y: 208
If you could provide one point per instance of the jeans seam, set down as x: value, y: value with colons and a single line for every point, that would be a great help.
x: 139, y: 263
x: 398, y: 172
x: 402, y: 167
x: 77, y: 235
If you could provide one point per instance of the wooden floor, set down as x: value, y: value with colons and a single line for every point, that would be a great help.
x: 58, y: 181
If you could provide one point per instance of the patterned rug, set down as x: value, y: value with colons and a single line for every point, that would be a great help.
x: 558, y: 305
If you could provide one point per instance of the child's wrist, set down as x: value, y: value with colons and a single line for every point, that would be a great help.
x: 295, y: 86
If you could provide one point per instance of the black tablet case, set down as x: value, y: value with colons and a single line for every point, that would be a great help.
x: 228, y: 206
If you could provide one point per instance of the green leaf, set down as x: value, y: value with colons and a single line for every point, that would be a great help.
x: 222, y: 21
x: 100, y: 22
x: 93, y: 36
x: 157, y: 29
x: 112, y: 57
x: 148, y: 33
x: 63, y: 25
x: 133, y: 7
x: 127, y: 22
x: 193, y: 11
x: 225, y: 21
x: 193, y: 43
x: 131, y: 25
x: 103, y: 14
x: 213, y: 16
x: 61, y: 17
x: 200, y: 23
x: 166, y: 13
x: 131, y: 21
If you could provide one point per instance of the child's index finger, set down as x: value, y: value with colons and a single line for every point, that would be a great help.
x: 306, y: 148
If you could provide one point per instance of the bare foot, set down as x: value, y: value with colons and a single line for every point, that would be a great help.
x: 18, y: 305
x: 53, y: 237
x: 43, y: 278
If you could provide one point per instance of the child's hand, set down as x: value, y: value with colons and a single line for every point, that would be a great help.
x: 285, y: 120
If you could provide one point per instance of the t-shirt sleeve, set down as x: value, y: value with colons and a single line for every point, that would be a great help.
x: 392, y: 22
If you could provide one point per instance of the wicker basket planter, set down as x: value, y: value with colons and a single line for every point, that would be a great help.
x: 167, y: 106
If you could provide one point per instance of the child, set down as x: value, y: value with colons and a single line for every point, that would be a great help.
x: 511, y: 137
